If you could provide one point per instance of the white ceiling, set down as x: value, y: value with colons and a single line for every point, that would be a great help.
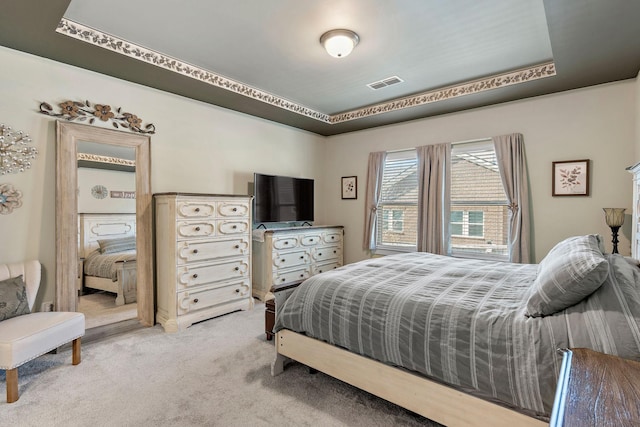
x: 263, y: 58
x: 274, y: 45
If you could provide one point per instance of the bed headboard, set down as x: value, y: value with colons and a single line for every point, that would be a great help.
x: 97, y: 226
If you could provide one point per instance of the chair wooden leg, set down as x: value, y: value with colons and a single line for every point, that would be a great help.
x: 76, y: 358
x: 12, y: 385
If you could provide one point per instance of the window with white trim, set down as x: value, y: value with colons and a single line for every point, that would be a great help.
x: 397, y: 224
x: 479, y: 212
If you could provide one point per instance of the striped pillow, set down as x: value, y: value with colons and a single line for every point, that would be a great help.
x: 121, y: 244
x: 571, y: 271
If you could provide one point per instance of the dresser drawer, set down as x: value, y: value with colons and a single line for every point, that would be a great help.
x: 190, y: 276
x: 195, y: 251
x: 323, y: 253
x: 285, y: 242
x: 191, y: 229
x: 233, y: 209
x: 195, y: 209
x: 310, y: 239
x: 322, y: 268
x: 231, y: 227
x: 332, y: 236
x: 291, y: 276
x: 203, y: 298
x: 290, y: 259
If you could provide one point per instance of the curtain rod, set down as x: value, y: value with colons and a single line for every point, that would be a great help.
x: 469, y: 141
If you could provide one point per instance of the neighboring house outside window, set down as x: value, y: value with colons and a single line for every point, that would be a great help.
x: 398, y: 209
x: 479, y: 210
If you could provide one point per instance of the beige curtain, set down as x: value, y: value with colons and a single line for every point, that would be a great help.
x: 372, y: 197
x: 434, y: 188
x: 513, y: 170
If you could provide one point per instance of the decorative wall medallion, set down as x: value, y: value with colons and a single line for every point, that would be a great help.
x: 82, y: 111
x: 123, y: 47
x: 10, y: 199
x: 15, y: 152
x: 99, y: 191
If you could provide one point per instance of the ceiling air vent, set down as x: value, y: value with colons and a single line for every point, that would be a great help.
x: 385, y: 82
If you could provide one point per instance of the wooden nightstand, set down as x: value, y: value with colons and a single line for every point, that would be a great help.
x: 596, y: 389
x: 280, y: 295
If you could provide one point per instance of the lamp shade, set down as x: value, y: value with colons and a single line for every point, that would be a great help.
x: 614, y: 216
x: 339, y: 43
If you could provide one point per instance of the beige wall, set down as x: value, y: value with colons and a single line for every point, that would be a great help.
x: 597, y: 123
x: 197, y: 148
x: 202, y: 148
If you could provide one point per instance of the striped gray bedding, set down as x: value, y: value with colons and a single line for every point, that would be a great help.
x: 462, y: 321
x: 104, y: 265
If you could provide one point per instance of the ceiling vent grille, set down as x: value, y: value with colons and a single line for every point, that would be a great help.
x: 385, y: 82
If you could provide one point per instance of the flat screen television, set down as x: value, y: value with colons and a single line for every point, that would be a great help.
x: 282, y: 198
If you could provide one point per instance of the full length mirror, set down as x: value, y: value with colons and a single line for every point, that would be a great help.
x: 128, y: 220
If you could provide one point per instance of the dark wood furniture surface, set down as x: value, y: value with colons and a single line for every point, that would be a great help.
x: 269, y: 317
x: 596, y: 389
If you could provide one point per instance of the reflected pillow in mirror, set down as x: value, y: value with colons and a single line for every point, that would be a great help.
x: 571, y: 271
x: 13, y: 298
x: 121, y: 244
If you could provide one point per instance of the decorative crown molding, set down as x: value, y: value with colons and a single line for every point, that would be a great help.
x: 115, y: 44
x: 106, y: 159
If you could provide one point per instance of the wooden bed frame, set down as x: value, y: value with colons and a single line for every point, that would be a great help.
x: 430, y: 399
x: 93, y: 227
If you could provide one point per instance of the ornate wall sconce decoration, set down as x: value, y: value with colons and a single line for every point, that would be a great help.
x: 84, y: 111
x: 10, y: 199
x: 15, y: 152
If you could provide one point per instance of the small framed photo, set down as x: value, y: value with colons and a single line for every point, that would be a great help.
x: 349, y: 187
x: 571, y: 178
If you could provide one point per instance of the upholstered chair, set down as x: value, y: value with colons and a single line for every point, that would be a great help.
x: 27, y: 336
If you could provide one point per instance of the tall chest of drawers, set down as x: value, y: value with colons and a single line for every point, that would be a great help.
x: 203, y: 257
x: 286, y: 256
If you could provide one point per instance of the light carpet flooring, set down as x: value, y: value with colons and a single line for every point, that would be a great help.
x: 215, y: 373
x: 100, y: 309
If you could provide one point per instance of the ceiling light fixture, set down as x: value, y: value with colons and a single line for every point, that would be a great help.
x: 339, y: 43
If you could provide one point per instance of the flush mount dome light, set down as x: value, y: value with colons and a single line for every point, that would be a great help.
x: 339, y: 43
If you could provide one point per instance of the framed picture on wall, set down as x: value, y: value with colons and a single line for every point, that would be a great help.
x: 349, y: 187
x: 571, y: 178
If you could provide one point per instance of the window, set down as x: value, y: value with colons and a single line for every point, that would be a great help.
x: 479, y: 210
x: 479, y: 213
x: 467, y: 223
x: 397, y: 227
x: 393, y: 220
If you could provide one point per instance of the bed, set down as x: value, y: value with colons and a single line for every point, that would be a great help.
x: 106, y: 248
x: 463, y: 341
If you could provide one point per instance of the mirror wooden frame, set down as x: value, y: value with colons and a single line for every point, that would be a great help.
x: 67, y: 136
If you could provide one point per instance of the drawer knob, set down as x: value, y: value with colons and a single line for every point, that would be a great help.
x: 237, y: 246
x: 282, y: 260
x: 320, y: 271
x: 237, y: 291
x: 197, y: 209
x: 302, y: 275
x: 311, y: 240
x: 286, y: 243
x: 237, y: 268
x: 195, y: 251
x: 319, y: 253
x: 302, y: 257
x: 197, y: 228
x: 282, y: 280
x: 335, y: 252
x: 234, y: 227
x: 235, y: 210
x: 195, y: 300
x: 195, y: 275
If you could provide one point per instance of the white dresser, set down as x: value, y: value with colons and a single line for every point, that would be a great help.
x: 203, y: 257
x: 286, y: 256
